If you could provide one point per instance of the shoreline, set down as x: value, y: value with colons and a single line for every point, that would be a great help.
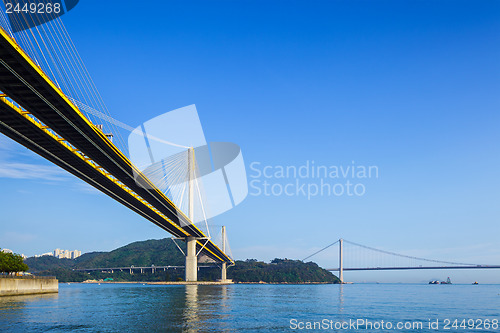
x: 155, y: 282
x: 291, y: 283
x: 197, y: 282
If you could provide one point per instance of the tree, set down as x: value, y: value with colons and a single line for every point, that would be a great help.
x: 10, y: 263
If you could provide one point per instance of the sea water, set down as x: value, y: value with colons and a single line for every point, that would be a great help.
x: 255, y: 308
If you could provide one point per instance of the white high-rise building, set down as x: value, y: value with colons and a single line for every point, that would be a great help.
x: 10, y: 251
x: 66, y: 254
x: 75, y: 254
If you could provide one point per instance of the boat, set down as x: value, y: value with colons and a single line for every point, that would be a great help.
x: 448, y: 281
x: 434, y: 282
x: 475, y: 282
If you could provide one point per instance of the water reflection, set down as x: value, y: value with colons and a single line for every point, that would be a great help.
x: 22, y: 300
x: 223, y: 302
x: 15, y: 307
x: 205, y: 308
x: 341, y: 298
x: 191, y: 308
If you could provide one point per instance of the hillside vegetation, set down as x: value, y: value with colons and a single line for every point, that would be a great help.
x: 163, y: 252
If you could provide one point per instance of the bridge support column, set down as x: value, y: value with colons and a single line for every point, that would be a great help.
x: 191, y: 260
x: 224, y: 272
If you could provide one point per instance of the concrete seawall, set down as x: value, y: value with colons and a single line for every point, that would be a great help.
x: 27, y: 285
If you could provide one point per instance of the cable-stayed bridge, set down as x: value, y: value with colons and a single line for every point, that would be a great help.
x: 357, y: 257
x: 43, y: 84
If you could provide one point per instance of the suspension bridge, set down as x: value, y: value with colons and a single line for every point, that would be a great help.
x: 358, y: 257
x: 49, y: 104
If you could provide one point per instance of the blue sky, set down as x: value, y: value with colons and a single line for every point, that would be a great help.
x: 408, y: 86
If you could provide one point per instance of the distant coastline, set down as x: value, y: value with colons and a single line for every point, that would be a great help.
x: 195, y: 283
x: 151, y: 254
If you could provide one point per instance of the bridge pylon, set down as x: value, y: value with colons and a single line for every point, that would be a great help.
x: 224, y: 265
x: 191, y: 257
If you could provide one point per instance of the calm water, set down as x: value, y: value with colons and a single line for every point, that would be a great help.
x: 247, y: 308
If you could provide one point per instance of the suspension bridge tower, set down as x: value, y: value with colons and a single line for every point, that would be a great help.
x: 341, y: 260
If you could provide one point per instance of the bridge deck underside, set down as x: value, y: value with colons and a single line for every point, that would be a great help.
x: 24, y: 82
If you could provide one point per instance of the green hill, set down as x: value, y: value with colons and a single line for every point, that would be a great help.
x: 278, y: 271
x: 293, y: 271
x: 163, y: 252
x: 160, y: 252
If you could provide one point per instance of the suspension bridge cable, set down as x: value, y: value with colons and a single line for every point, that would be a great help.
x: 118, y: 123
x: 409, y: 257
x: 52, y: 49
x: 315, y: 253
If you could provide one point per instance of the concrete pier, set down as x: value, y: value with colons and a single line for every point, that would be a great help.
x: 191, y: 260
x: 28, y: 285
x: 224, y: 272
x: 199, y: 283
